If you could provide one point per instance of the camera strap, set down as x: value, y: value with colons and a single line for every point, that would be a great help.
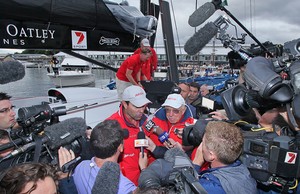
x: 291, y: 116
x: 37, y: 149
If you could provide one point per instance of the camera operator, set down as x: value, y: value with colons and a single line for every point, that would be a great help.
x: 7, y: 113
x: 221, y: 146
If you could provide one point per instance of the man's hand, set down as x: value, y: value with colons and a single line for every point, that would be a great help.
x: 143, y: 161
x: 151, y: 145
x: 218, y: 115
x: 199, y: 159
x: 64, y: 156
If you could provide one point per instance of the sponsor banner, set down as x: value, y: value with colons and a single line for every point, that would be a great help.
x: 29, y: 35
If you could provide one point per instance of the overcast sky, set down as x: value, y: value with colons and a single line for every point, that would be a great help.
x: 272, y: 20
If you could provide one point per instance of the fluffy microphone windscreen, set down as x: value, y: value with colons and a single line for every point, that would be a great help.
x: 171, y: 153
x: 202, y: 14
x: 11, y: 71
x: 107, y: 180
x: 198, y: 41
x: 65, y: 132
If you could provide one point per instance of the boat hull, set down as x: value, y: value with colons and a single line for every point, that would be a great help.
x: 67, y: 80
x: 92, y: 104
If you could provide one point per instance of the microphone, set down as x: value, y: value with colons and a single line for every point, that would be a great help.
x: 163, y: 136
x: 151, y: 126
x: 141, y: 141
x: 197, y: 42
x: 19, y: 151
x: 202, y: 14
x: 65, y: 132
x: 108, y: 178
x: 11, y: 71
x: 171, y: 154
x: 56, y: 135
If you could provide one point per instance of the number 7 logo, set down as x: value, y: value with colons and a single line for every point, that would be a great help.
x: 290, y: 157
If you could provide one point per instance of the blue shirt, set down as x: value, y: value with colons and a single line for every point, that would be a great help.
x: 85, y: 175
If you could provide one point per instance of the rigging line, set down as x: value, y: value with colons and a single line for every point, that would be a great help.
x: 196, y: 6
x: 251, y: 29
x: 176, y: 27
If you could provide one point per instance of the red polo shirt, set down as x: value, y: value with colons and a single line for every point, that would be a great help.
x: 133, y: 63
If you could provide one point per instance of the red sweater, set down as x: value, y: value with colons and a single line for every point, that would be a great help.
x: 129, y: 159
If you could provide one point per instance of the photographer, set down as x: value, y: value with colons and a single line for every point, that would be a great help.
x: 221, y: 146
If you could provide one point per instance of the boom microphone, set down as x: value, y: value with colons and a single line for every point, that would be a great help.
x: 202, y: 14
x: 65, y: 132
x: 107, y: 180
x: 200, y: 38
x: 205, y: 34
x: 11, y: 71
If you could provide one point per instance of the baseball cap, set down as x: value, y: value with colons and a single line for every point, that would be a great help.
x: 174, y: 100
x: 145, y: 42
x: 135, y: 95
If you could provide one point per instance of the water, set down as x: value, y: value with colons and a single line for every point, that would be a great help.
x: 36, y: 82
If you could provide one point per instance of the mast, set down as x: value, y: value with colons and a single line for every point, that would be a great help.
x: 169, y: 40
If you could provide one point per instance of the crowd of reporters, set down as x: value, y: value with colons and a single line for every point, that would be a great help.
x: 117, y: 164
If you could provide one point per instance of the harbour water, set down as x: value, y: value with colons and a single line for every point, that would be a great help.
x: 36, y: 82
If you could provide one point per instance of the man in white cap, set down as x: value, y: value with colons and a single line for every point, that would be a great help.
x: 151, y: 65
x: 131, y: 116
x: 173, y: 117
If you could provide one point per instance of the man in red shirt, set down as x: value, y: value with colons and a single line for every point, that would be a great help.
x: 151, y: 65
x: 173, y: 117
x: 131, y: 116
x: 129, y: 72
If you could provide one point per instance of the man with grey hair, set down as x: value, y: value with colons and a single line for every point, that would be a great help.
x: 173, y: 117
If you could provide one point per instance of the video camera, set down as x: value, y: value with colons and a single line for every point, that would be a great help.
x: 41, y: 135
x: 192, y: 135
x: 269, y: 83
x: 272, y: 161
x: 34, y: 119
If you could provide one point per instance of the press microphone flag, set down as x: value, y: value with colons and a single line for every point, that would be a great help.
x: 11, y: 71
x: 150, y: 126
x: 141, y: 141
